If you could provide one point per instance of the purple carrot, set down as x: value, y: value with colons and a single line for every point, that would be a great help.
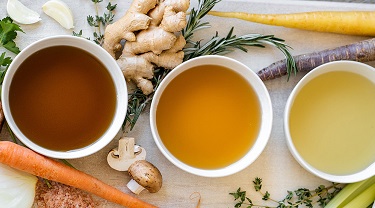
x: 363, y: 51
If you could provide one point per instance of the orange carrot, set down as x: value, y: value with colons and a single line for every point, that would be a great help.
x: 343, y: 22
x: 26, y: 160
x: 363, y: 51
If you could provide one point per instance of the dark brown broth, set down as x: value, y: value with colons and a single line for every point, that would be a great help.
x: 62, y: 98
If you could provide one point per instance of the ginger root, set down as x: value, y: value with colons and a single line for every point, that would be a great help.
x: 150, y: 28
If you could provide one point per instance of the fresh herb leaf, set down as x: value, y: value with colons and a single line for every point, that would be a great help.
x: 5, y: 61
x: 111, y: 7
x: 266, y: 196
x: 240, y: 197
x: 8, y: 32
x: 257, y: 184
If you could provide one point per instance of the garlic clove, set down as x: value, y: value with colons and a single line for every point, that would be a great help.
x: 20, y: 13
x: 60, y: 12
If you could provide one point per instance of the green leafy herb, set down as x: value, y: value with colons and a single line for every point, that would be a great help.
x: 4, y: 65
x: 302, y: 196
x: 8, y: 32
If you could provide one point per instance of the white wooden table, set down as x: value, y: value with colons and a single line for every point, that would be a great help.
x: 278, y: 169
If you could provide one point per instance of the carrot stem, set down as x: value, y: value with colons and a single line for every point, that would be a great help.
x: 26, y: 160
x: 363, y: 51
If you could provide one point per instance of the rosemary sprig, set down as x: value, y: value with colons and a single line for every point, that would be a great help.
x: 194, y: 22
x: 221, y: 46
x: 137, y: 101
x: 302, y: 196
x: 216, y: 45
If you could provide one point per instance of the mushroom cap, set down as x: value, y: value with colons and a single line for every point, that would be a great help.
x: 146, y: 175
x: 127, y: 152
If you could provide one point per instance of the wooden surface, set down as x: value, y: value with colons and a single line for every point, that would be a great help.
x: 277, y: 167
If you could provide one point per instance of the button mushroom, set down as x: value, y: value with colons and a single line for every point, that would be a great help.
x: 126, y: 154
x: 144, y: 176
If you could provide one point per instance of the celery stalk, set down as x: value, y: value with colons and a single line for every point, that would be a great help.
x: 364, y: 199
x: 349, y: 192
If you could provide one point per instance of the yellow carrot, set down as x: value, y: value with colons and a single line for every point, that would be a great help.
x: 26, y: 160
x: 343, y: 22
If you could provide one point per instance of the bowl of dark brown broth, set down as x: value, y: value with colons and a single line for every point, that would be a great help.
x: 64, y: 97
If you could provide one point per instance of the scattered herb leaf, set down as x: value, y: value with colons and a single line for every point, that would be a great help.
x: 302, y: 196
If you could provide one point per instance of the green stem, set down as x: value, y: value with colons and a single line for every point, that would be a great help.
x: 13, y: 137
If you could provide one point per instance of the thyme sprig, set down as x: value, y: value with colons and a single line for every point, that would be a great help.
x: 99, y: 22
x: 300, y: 197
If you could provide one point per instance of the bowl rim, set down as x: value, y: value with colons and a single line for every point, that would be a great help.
x: 114, y: 71
x: 266, y: 113
x: 342, y: 65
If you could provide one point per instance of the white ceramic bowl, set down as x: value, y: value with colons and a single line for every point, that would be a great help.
x: 266, y: 115
x: 107, y: 61
x: 350, y: 66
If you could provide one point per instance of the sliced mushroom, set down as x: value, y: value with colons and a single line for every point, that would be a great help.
x: 144, y: 176
x: 126, y: 154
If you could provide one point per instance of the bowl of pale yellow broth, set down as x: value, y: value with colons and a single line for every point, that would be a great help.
x: 211, y: 116
x: 64, y: 97
x: 329, y: 121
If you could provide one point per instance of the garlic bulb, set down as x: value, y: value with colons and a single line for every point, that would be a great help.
x: 20, y: 13
x: 60, y: 12
x: 17, y: 188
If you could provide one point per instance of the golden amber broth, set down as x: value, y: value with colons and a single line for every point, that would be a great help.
x: 332, y: 122
x: 62, y: 98
x: 208, y: 117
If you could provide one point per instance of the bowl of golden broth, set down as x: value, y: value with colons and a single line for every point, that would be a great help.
x: 64, y: 97
x: 211, y: 116
x: 329, y: 121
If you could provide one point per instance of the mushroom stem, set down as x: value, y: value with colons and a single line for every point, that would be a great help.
x: 134, y: 186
